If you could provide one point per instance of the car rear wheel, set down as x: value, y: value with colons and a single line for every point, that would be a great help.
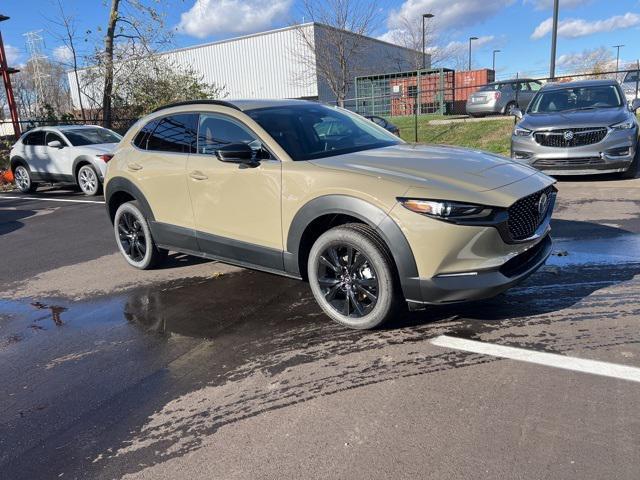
x: 22, y: 177
x: 352, y: 277
x: 88, y: 180
x: 134, y: 237
x: 632, y: 171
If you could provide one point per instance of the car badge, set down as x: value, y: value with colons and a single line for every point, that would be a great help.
x: 568, y: 135
x: 543, y: 203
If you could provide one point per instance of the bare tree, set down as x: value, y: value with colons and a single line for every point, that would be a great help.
x: 340, y: 46
x: 68, y: 37
x: 138, y: 25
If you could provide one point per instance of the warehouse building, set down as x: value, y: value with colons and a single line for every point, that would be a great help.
x: 275, y: 64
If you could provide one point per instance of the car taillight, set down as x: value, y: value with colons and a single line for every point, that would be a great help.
x: 105, y: 157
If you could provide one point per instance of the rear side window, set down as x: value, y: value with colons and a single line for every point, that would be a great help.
x: 175, y: 133
x: 34, y: 138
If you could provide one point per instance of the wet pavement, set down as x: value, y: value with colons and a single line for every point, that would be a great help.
x: 209, y: 372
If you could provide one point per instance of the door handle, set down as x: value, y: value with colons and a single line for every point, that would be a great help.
x: 198, y: 175
x: 134, y: 166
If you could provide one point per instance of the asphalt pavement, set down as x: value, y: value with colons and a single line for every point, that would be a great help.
x: 201, y: 370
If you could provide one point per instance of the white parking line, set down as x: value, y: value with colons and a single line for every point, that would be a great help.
x: 40, y: 199
x: 593, y: 367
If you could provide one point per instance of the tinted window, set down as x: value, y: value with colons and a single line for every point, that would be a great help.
x: 216, y: 131
x: 52, y: 137
x: 175, y: 133
x: 309, y: 131
x: 578, y: 98
x: 91, y: 136
x: 141, y: 137
x: 34, y: 138
x: 535, y: 86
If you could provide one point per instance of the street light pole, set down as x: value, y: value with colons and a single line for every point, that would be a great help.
x: 617, y: 47
x: 554, y: 37
x: 494, y: 60
x: 424, y: 17
x: 470, y: 39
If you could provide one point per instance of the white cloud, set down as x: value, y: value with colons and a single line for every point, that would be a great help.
x: 480, y: 42
x: 548, y: 4
x: 577, y: 27
x: 587, y: 59
x: 13, y: 54
x: 62, y: 54
x: 209, y: 17
x: 448, y: 13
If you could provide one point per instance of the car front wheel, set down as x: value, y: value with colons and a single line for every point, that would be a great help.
x: 352, y: 277
x: 88, y: 180
x: 22, y: 177
x: 134, y: 237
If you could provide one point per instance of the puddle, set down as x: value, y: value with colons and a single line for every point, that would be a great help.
x: 623, y: 249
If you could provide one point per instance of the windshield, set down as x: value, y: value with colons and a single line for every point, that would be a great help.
x: 576, y: 98
x: 310, y: 131
x: 91, y: 136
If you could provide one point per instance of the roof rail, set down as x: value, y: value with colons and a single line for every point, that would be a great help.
x: 197, y: 102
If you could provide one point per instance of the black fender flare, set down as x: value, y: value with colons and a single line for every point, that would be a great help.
x: 121, y: 184
x: 370, y: 214
x: 16, y: 160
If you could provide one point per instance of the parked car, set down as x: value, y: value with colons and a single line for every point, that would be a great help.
x: 582, y: 127
x: 502, y: 97
x: 64, y: 154
x: 631, y: 85
x: 369, y: 220
x: 384, y: 123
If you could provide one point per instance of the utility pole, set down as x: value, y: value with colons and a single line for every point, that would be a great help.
x: 494, y: 60
x: 424, y: 17
x: 617, y: 47
x: 6, y: 72
x: 554, y: 38
x: 470, y: 39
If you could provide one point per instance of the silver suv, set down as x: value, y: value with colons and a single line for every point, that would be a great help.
x: 502, y: 97
x: 631, y: 85
x: 580, y: 127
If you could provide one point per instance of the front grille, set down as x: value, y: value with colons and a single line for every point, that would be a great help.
x: 551, y: 163
x: 571, y: 137
x: 525, y: 216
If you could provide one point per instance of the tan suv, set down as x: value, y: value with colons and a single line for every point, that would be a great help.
x: 318, y: 193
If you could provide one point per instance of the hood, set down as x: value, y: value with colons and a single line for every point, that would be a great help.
x: 603, y: 117
x: 433, y: 166
x: 97, y: 148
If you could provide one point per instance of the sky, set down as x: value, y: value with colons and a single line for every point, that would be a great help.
x: 519, y: 28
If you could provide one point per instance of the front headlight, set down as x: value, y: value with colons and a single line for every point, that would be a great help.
x: 445, y: 210
x: 521, y: 132
x: 626, y: 125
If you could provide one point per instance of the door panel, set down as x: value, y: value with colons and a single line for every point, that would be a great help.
x: 235, y: 204
x: 59, y: 161
x: 35, y: 151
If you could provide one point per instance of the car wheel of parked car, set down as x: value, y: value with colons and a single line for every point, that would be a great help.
x: 88, y: 180
x: 134, y: 237
x: 509, y: 108
x: 23, y: 180
x: 352, y: 276
x: 632, y: 171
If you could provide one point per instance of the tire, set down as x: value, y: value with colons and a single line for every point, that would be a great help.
x: 88, y: 180
x: 134, y: 239
x: 632, y: 171
x: 508, y: 107
x: 353, y: 277
x: 22, y: 175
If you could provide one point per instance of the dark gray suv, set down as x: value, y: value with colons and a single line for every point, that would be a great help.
x: 578, y: 128
x: 502, y: 97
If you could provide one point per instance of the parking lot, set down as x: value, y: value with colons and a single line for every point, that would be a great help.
x: 202, y: 370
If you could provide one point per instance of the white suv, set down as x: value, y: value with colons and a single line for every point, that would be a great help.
x: 65, y: 154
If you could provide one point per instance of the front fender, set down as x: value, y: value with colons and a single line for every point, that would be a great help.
x: 370, y: 214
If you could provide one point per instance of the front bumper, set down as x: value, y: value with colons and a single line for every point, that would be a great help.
x: 614, y: 153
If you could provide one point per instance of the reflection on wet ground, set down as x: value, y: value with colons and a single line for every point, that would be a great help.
x: 180, y: 359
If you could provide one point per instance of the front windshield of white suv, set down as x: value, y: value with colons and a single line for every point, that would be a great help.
x: 576, y: 98
x: 91, y: 136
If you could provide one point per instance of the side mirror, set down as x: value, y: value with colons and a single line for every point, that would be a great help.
x: 236, y: 153
x: 516, y: 112
x: 635, y: 104
x: 55, y: 144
